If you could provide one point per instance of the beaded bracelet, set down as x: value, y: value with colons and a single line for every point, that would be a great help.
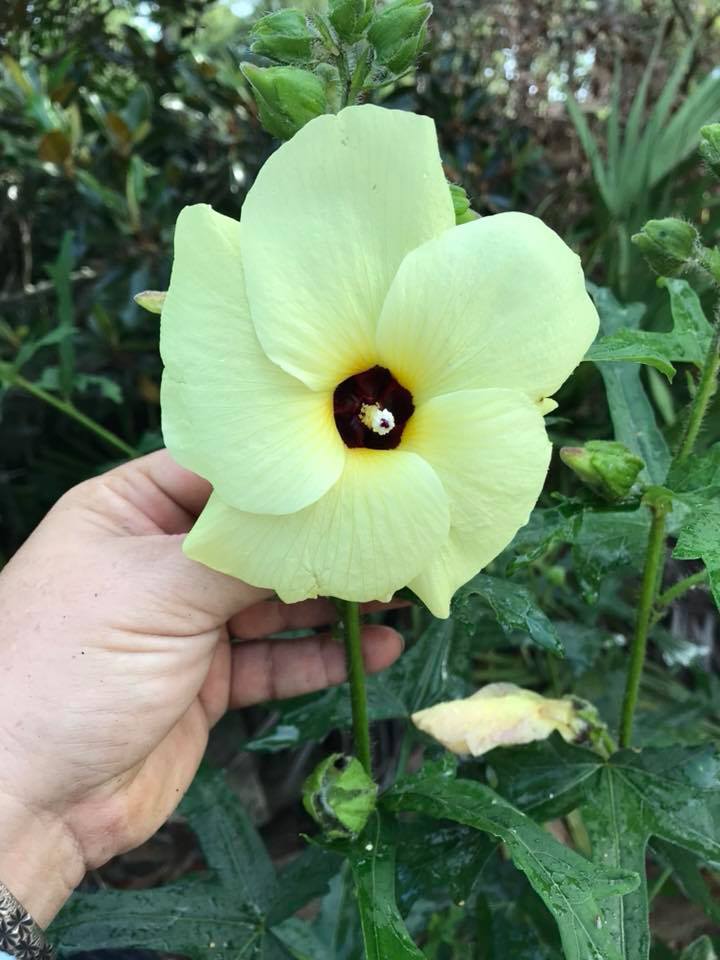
x: 20, y: 936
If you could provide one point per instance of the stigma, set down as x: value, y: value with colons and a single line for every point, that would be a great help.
x: 377, y: 420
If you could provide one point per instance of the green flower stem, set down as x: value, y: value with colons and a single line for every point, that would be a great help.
x: 69, y: 409
x: 356, y: 678
x: 705, y: 391
x: 677, y: 590
x: 651, y: 576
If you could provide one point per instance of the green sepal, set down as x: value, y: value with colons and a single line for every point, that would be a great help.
x: 461, y: 204
x: 398, y: 34
x: 340, y: 796
x: 606, y: 466
x: 667, y: 245
x: 710, y: 147
x: 284, y: 35
x: 287, y: 97
x: 350, y: 18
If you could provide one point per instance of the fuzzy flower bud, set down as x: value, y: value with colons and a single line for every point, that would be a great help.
x: 287, y: 97
x: 398, y: 34
x: 151, y: 300
x: 499, y: 714
x: 283, y: 36
x: 350, y: 18
x: 667, y: 245
x: 710, y: 147
x: 606, y: 466
x: 340, y: 796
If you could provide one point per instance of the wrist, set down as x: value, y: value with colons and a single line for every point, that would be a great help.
x: 40, y: 861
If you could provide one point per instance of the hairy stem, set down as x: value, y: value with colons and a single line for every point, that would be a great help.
x: 677, y: 590
x: 356, y: 678
x: 69, y: 409
x: 705, y: 391
x: 651, y: 576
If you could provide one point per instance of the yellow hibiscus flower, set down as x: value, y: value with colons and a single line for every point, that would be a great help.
x: 362, y: 381
x: 499, y: 714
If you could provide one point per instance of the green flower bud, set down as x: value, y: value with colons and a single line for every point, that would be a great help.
x: 350, y: 18
x: 151, y: 300
x: 284, y: 35
x: 398, y: 34
x: 667, y: 245
x: 287, y: 97
x: 461, y: 204
x: 710, y: 147
x: 340, y: 796
x: 606, y: 466
x: 329, y: 76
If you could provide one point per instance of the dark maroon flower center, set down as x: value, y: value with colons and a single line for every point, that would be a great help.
x: 371, y: 409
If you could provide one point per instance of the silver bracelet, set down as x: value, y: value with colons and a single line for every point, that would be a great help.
x: 20, y: 936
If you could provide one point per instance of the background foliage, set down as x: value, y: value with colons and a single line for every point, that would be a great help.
x: 113, y: 115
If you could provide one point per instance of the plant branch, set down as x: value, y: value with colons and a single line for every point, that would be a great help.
x: 651, y: 576
x: 677, y: 590
x: 356, y: 678
x: 70, y: 410
x: 706, y: 389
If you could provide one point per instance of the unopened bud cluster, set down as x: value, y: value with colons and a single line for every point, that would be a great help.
x: 606, y: 466
x: 710, y: 147
x: 325, y: 60
x: 668, y: 245
x: 672, y: 246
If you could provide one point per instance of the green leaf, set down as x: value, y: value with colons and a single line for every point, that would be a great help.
x: 630, y: 410
x: 514, y: 606
x: 194, y: 918
x: 687, y: 874
x: 337, y: 924
x: 697, y: 478
x: 609, y: 541
x: 569, y: 884
x: 687, y: 342
x: 418, y: 679
x: 583, y: 645
x: 696, y: 483
x: 306, y: 877
x: 547, y: 779
x: 614, y: 818
x: 435, y: 857
x: 672, y: 794
x: 547, y: 527
x: 83, y: 382
x: 28, y: 350
x: 701, y: 949
x: 373, y: 865
x: 301, y: 940
x: 223, y: 914
x: 700, y: 540
x: 229, y: 840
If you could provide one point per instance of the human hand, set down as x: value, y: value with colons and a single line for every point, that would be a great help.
x: 116, y: 660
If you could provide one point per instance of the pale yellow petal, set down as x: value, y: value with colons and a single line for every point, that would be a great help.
x: 263, y: 440
x: 499, y: 302
x: 363, y: 540
x: 500, y: 714
x: 491, y: 452
x: 325, y: 227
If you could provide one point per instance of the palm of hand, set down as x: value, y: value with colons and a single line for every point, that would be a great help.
x: 127, y: 660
